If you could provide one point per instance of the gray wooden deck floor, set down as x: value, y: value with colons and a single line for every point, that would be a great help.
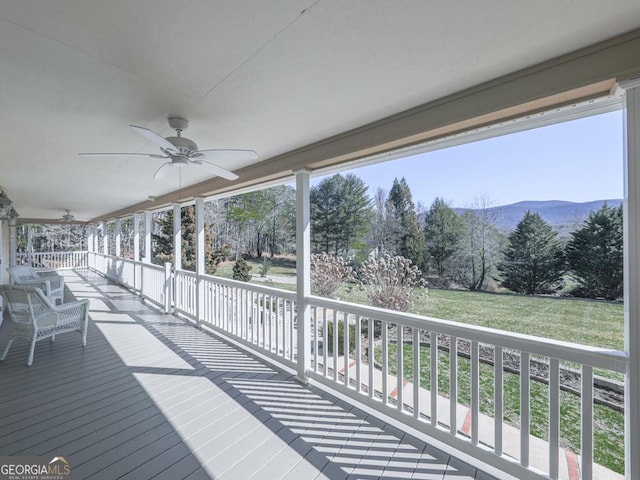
x: 153, y: 397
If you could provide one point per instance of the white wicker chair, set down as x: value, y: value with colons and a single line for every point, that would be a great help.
x: 35, y: 318
x: 49, y: 282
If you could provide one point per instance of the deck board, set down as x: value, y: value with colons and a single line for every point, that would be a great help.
x: 152, y: 397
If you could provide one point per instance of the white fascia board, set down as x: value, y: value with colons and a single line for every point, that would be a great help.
x: 565, y: 113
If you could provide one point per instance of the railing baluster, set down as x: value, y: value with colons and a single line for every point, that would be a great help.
x: 325, y: 342
x: 433, y: 378
x: 554, y: 418
x: 345, y: 347
x: 314, y: 323
x: 263, y: 320
x: 586, y: 438
x: 385, y: 362
x: 224, y: 307
x: 246, y: 315
x: 400, y: 366
x: 525, y: 395
x: 498, y: 389
x: 278, y: 327
x: 475, y: 391
x: 267, y: 308
x: 453, y: 384
x: 291, y: 310
x: 335, y: 345
x: 236, y: 312
x: 370, y: 351
x: 358, y: 354
x: 217, y: 318
x: 416, y: 372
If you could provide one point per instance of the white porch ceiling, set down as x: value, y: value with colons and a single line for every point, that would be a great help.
x: 269, y: 76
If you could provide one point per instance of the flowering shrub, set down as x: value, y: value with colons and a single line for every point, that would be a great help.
x: 328, y: 274
x: 391, y: 282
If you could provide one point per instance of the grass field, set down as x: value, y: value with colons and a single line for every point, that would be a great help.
x: 280, y: 266
x: 588, y: 322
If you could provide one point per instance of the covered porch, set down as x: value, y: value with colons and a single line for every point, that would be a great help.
x: 153, y: 397
x: 313, y: 87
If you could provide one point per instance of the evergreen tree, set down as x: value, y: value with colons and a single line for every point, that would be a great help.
x: 443, y: 231
x: 162, y: 238
x: 340, y: 215
x: 242, y: 270
x: 411, y: 242
x: 595, y: 254
x: 533, y: 261
x: 163, y: 242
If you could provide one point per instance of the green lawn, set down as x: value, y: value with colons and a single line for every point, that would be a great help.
x: 588, y: 322
x: 608, y: 423
x: 280, y: 266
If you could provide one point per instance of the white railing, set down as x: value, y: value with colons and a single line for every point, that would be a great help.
x: 261, y: 317
x: 54, y: 260
x: 385, y: 377
x: 384, y: 387
x: 186, y: 293
x: 120, y: 270
x: 152, y: 282
x: 156, y: 284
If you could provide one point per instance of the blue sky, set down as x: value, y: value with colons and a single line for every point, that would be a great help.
x: 575, y: 161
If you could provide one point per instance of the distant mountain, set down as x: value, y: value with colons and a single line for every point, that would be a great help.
x: 562, y: 216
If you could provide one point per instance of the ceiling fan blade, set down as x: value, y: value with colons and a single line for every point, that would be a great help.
x: 215, y: 169
x: 218, y: 155
x: 152, y: 136
x: 162, y: 171
x: 109, y: 154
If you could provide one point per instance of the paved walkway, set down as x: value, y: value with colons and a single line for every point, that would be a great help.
x: 569, y: 468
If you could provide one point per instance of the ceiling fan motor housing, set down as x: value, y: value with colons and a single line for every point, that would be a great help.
x: 184, y: 145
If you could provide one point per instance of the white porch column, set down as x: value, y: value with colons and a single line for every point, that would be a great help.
x: 90, y: 244
x: 118, y: 251
x: 13, y: 242
x: 177, y: 236
x: 632, y: 277
x: 147, y: 237
x: 4, y: 257
x: 105, y: 238
x: 136, y: 237
x: 303, y: 268
x: 200, y: 258
x: 30, y: 244
x: 137, y: 269
x: 96, y: 239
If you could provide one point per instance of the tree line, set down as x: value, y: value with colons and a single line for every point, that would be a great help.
x: 466, y: 250
x: 452, y: 250
x: 458, y: 250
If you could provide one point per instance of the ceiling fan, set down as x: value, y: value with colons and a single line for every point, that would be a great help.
x: 181, y: 151
x: 67, y: 217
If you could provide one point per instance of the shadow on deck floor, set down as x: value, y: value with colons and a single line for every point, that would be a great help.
x: 153, y: 397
